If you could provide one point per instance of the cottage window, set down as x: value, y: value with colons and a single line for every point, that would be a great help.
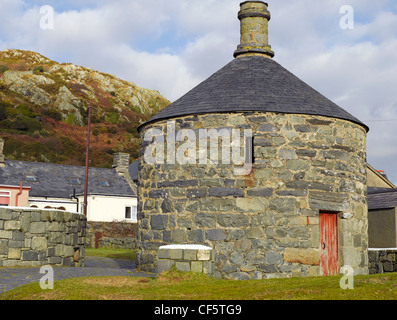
x: 4, y: 198
x: 75, y: 181
x: 104, y: 184
x: 130, y: 213
x: 31, y: 178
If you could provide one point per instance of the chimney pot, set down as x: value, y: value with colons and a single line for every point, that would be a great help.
x: 254, y: 18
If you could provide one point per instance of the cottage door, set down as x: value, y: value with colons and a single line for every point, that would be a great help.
x: 328, y: 244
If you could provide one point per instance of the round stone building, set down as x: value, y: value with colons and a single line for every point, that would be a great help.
x: 257, y: 165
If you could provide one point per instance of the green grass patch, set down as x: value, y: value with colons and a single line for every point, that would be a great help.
x: 175, y: 285
x: 122, y: 254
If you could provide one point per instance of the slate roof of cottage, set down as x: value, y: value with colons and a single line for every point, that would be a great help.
x: 382, y: 198
x: 59, y: 181
x: 253, y: 83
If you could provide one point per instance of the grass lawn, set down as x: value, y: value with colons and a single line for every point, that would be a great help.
x: 174, y: 285
x: 122, y: 254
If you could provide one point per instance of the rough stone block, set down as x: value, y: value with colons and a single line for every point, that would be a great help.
x: 197, y: 193
x: 30, y: 256
x: 12, y: 225
x: 329, y: 201
x: 217, y: 205
x: 14, y: 253
x: 39, y: 243
x: 233, y: 220
x: 55, y: 260
x: 283, y: 205
x: 197, y: 236
x: 182, y: 266
x: 164, y: 254
x: 251, y: 204
x: 216, y: 235
x: 5, y: 214
x: 226, y: 192
x: 190, y: 254
x: 208, y: 267
x: 287, y: 154
x: 179, y: 236
x: 164, y: 265
x: 176, y: 254
x: 267, y: 127
x: 260, y: 192
x: 159, y: 222
x: 298, y: 165
x: 37, y: 227
x: 204, y: 255
x: 274, y: 257
x: 5, y: 234
x: 303, y: 256
x: 3, y: 247
x: 197, y: 266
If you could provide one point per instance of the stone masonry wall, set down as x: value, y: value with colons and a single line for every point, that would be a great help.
x: 382, y: 261
x: 32, y: 238
x: 265, y: 224
x: 118, y: 235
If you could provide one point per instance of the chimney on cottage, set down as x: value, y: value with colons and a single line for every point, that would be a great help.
x: 121, y: 162
x: 2, y: 162
x: 254, y: 18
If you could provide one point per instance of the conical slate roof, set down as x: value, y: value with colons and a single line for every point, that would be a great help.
x: 253, y: 83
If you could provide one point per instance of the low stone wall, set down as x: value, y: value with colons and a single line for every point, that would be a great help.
x: 32, y: 238
x: 382, y: 261
x: 186, y: 258
x: 118, y: 243
x: 117, y: 235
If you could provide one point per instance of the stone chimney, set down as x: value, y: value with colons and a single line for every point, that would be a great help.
x: 254, y: 19
x: 2, y: 162
x: 121, y: 162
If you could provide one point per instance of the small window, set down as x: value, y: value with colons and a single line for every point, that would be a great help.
x: 128, y: 213
x: 31, y: 178
x: 104, y: 184
x: 131, y: 213
x: 75, y: 181
x: 5, y: 198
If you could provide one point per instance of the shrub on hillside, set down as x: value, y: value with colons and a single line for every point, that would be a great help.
x: 24, y: 123
x: 3, y: 68
x: 38, y: 69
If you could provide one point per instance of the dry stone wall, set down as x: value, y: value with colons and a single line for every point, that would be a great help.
x: 265, y: 224
x: 382, y: 261
x: 31, y: 238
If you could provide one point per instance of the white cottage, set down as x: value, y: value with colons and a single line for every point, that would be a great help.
x: 110, y: 195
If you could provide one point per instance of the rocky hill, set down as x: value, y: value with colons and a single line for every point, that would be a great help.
x: 43, y: 110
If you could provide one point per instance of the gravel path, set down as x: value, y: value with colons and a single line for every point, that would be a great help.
x: 11, y: 278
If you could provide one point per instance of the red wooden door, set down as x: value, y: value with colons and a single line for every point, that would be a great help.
x: 328, y: 244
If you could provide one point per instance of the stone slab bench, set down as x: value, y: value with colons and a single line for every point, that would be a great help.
x: 186, y: 258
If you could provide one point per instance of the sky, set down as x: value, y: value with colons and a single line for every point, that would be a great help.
x: 171, y: 46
